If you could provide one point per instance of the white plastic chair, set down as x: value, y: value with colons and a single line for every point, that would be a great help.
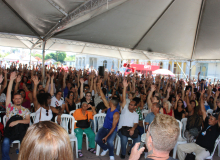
x: 118, y: 142
x: 33, y: 116
x: 179, y: 141
x: 16, y: 141
x: 87, y: 140
x: 209, y: 111
x: 66, y: 119
x: 217, y: 142
x: 100, y: 118
x: 184, y: 122
x: 78, y: 105
x: 144, y: 113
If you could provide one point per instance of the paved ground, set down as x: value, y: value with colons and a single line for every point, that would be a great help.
x: 87, y: 155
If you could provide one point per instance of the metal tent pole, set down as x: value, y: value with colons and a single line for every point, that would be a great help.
x: 190, y: 68
x: 43, y: 55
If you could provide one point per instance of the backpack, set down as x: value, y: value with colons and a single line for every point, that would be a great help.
x: 18, y: 131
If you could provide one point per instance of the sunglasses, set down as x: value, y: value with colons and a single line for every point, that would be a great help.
x: 47, y: 112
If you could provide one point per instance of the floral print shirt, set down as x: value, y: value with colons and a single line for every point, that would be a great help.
x: 11, y: 110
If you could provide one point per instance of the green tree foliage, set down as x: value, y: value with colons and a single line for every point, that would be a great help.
x: 70, y: 58
x: 58, y: 56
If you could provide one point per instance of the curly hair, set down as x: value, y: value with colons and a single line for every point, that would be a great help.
x: 42, y: 98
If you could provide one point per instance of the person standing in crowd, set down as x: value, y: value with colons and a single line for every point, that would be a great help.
x: 46, y: 140
x: 130, y: 119
x: 11, y: 110
x: 159, y: 145
x: 204, y: 144
x: 109, y: 130
x: 83, y: 117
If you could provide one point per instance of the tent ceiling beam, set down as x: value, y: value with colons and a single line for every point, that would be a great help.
x: 135, y: 46
x: 197, y: 28
x: 57, y: 7
x: 80, y: 11
x: 21, y: 18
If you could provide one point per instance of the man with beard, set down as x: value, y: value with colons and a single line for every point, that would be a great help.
x: 11, y: 110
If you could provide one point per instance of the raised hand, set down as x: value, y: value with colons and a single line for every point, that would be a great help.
x: 81, y: 80
x: 153, y: 88
x: 1, y: 78
x: 18, y: 79
x: 13, y: 76
x: 216, y: 94
x: 125, y: 83
x: 187, y: 92
x: 35, y: 80
x: 169, y: 89
x: 202, y: 93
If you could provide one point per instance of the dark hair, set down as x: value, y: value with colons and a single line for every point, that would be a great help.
x: 23, y: 79
x: 193, y: 101
x: 136, y: 100
x: 115, y: 101
x: 104, y: 91
x: 68, y: 95
x: 42, y: 98
x: 39, y: 85
x: 89, y: 93
x: 182, y: 103
x: 86, y: 85
x: 21, y: 90
x: 42, y: 91
x: 58, y: 91
x: 16, y: 94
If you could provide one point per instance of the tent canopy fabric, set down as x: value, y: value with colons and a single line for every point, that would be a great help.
x: 124, y: 29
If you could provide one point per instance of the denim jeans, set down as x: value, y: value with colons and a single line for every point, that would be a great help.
x: 110, y: 145
x: 6, y: 148
x: 124, y: 141
x: 140, y: 129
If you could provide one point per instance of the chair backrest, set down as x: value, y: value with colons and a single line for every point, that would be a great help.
x: 98, y: 121
x: 71, y: 112
x: 4, y: 121
x: 180, y: 126
x: 184, y: 122
x: 78, y: 105
x: 144, y: 113
x: 67, y: 119
x: 209, y: 111
x: 217, y: 141
x: 32, y: 116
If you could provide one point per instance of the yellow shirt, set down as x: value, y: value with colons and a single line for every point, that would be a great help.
x: 78, y: 115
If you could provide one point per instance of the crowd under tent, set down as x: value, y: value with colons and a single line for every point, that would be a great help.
x: 123, y: 29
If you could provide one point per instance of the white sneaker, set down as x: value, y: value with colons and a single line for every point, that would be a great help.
x: 104, y: 152
x: 112, y: 158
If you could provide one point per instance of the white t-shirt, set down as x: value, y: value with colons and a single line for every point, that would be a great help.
x: 56, y: 103
x: 127, y: 118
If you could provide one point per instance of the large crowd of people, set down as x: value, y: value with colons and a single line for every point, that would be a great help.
x: 123, y: 99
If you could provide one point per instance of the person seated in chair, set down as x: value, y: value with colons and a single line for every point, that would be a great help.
x: 12, y: 110
x: 83, y: 117
x: 204, y: 145
x: 109, y: 130
x: 128, y: 119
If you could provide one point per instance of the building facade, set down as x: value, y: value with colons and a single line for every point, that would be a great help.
x: 92, y: 61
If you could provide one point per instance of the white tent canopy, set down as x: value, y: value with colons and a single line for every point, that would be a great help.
x: 124, y: 29
x: 27, y: 58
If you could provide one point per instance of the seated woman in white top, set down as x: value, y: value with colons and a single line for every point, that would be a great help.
x: 42, y: 103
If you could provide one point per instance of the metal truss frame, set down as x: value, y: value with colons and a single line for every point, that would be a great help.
x: 83, y: 9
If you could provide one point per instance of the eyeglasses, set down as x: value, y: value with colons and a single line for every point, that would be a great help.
x: 71, y: 95
x: 47, y: 112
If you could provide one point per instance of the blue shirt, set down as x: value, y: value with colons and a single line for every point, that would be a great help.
x: 66, y: 90
x: 150, y: 117
x: 109, y: 119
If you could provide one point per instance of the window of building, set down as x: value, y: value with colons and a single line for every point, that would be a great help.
x: 161, y: 65
x: 105, y: 63
x: 174, y: 68
x: 113, y: 64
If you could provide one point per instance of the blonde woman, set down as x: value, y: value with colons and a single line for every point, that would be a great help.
x: 46, y: 141
x: 167, y: 108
